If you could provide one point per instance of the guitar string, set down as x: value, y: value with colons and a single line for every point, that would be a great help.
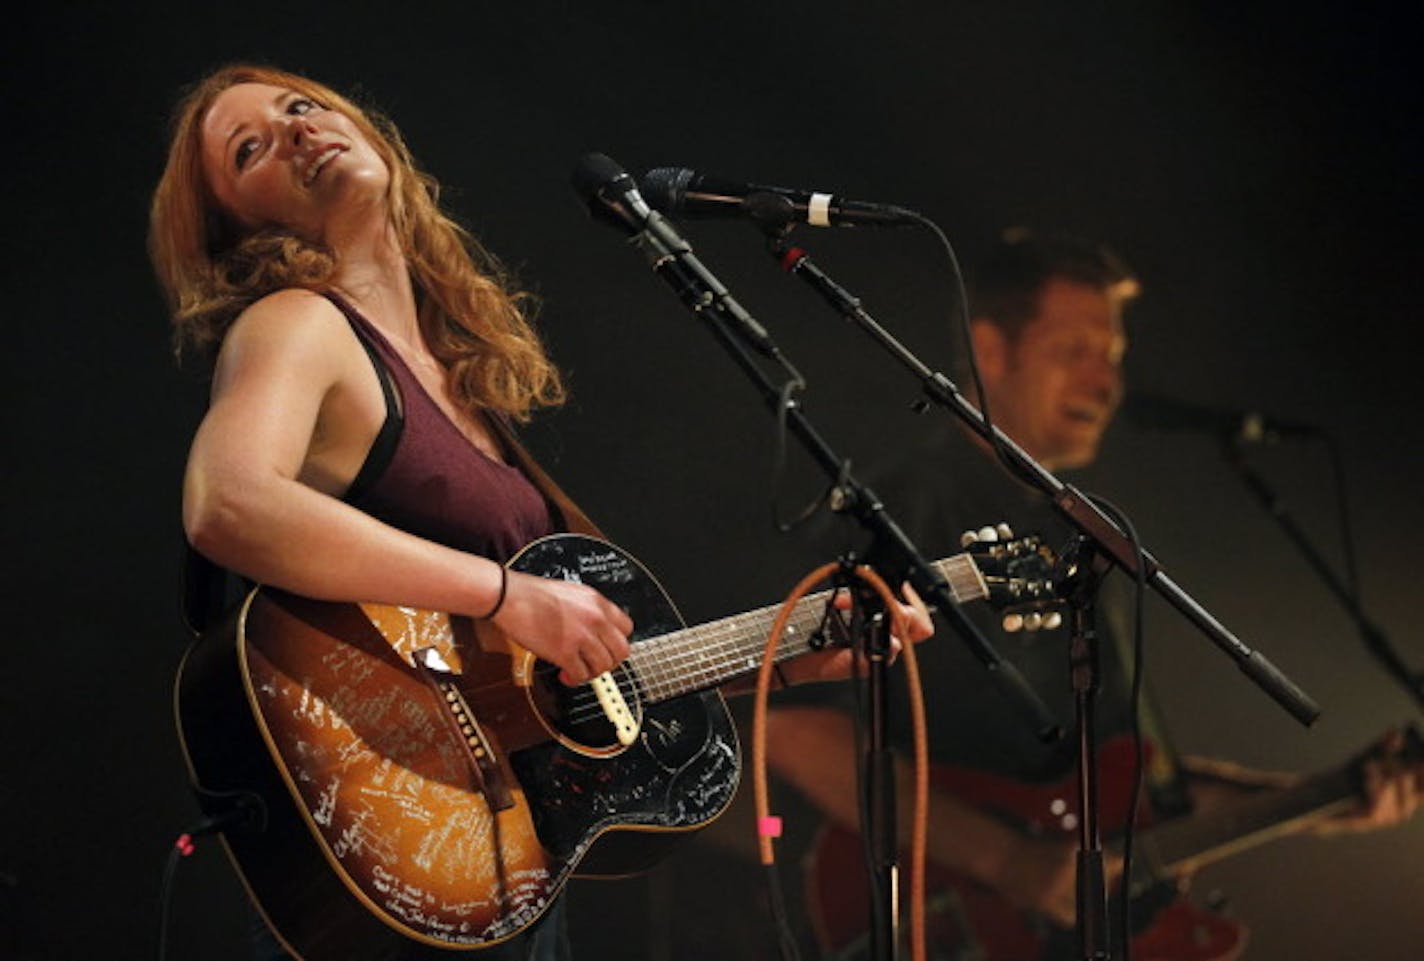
x: 695, y: 657
x: 708, y: 644
x: 705, y: 655
x: 688, y: 659
x: 805, y: 615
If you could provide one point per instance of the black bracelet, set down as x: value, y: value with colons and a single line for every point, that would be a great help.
x: 780, y: 676
x: 498, y: 601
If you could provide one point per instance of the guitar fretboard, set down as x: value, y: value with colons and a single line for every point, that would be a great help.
x: 705, y: 656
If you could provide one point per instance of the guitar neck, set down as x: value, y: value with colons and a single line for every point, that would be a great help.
x: 1178, y: 847
x: 708, y: 655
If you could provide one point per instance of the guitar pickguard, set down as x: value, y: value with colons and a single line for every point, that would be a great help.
x: 682, y: 770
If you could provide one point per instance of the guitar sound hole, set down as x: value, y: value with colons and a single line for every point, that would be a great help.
x: 575, y: 713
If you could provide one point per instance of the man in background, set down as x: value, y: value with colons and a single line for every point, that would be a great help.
x: 1048, y: 333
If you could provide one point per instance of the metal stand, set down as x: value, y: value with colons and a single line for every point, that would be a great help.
x: 880, y: 828
x: 613, y: 197
x: 1374, y: 637
x: 1072, y: 504
x: 1083, y: 571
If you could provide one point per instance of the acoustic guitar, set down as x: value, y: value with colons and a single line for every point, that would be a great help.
x: 403, y: 784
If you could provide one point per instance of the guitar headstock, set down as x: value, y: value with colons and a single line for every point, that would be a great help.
x: 1018, y: 572
x: 1397, y: 754
x: 1401, y: 747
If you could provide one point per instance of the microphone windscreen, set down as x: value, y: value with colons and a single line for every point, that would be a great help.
x: 593, y: 172
x: 665, y: 187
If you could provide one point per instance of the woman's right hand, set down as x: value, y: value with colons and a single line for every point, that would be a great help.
x: 565, y: 623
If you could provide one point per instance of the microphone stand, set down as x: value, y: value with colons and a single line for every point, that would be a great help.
x: 671, y: 258
x: 1071, y: 503
x: 1375, y: 640
x: 1083, y: 571
x: 1102, y: 542
x: 880, y: 831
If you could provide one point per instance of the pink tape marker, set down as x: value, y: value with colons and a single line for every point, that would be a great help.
x: 769, y: 826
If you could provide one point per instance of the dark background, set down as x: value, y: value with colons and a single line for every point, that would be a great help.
x: 1253, y: 163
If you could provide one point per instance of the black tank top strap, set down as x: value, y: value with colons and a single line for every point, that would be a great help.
x: 383, y: 448
x: 435, y: 483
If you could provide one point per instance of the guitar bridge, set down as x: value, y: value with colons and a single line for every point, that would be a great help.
x: 478, y: 750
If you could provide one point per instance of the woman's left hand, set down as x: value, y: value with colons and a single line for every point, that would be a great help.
x: 835, y: 664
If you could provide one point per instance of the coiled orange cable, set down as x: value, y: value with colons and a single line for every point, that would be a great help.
x: 919, y: 823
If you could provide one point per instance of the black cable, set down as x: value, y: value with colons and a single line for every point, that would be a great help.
x: 244, y: 810
x: 785, y: 401
x: 180, y: 849
x: 961, y: 294
x: 785, y: 937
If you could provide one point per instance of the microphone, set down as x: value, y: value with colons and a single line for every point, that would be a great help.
x: 1157, y: 412
x: 610, y: 194
x: 677, y: 190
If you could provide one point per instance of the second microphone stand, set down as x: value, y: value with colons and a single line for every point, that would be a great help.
x: 1081, y: 573
x: 1073, y: 505
x: 612, y: 198
x: 1099, y: 544
x: 1348, y: 595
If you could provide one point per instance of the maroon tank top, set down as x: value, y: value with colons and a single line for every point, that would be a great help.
x: 423, y: 476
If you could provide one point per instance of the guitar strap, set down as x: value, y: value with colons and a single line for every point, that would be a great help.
x: 573, y: 518
x: 209, y: 591
x: 204, y: 589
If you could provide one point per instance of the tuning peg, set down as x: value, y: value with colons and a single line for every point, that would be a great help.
x: 984, y: 535
x: 1033, y: 622
x: 1052, y: 621
x: 1005, y: 531
x: 1013, y: 623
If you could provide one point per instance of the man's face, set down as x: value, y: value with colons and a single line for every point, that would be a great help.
x: 1056, y: 387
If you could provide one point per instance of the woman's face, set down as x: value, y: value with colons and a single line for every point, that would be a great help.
x: 275, y: 157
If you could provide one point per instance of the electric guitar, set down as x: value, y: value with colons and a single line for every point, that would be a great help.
x: 398, y: 783
x: 967, y: 920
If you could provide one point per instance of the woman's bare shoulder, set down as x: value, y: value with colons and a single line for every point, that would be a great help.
x: 292, y: 311
x: 290, y: 328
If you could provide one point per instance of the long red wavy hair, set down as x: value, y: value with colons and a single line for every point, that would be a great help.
x: 211, y: 268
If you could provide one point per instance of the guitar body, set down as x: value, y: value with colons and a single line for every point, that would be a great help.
x: 964, y: 919
x: 419, y: 786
